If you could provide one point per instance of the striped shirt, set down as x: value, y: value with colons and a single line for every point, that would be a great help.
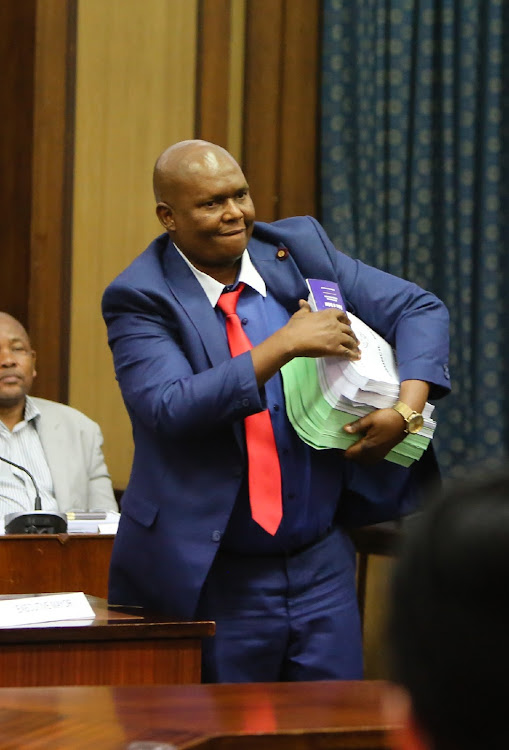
x: 22, y: 446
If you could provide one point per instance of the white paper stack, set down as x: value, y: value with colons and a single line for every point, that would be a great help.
x: 371, y: 382
x: 93, y: 522
x: 323, y: 395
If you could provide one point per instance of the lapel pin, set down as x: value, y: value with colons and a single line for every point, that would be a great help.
x: 282, y: 252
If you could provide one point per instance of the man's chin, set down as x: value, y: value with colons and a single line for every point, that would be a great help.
x: 236, y: 243
x: 10, y: 399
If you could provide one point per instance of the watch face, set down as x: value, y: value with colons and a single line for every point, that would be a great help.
x: 414, y: 423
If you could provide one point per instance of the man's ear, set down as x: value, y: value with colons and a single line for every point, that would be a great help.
x: 403, y: 728
x: 165, y: 216
x: 34, y: 374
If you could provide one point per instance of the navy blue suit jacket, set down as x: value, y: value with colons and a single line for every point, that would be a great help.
x: 187, y: 397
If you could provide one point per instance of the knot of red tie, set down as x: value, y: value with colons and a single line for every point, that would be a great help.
x: 228, y: 300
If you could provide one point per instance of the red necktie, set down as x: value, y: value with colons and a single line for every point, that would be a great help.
x: 264, y: 472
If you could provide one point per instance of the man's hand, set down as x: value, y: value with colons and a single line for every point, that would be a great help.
x: 380, y: 431
x: 324, y: 333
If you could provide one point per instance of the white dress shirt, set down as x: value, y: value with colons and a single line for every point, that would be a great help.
x: 214, y: 289
x: 22, y: 446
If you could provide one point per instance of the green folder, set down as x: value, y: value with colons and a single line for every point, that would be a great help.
x: 320, y: 425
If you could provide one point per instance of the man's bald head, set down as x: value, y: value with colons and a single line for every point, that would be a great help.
x: 183, y: 160
x: 8, y: 321
x: 203, y: 203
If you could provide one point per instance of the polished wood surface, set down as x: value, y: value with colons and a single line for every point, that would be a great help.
x: 120, y: 646
x: 296, y: 716
x: 55, y: 562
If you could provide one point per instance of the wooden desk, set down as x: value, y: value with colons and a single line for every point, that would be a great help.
x: 40, y: 563
x: 120, y: 646
x: 272, y: 716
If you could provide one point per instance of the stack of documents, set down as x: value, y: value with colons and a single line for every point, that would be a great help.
x: 322, y: 395
x: 92, y: 522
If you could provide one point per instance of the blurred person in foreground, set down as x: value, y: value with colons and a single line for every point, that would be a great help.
x: 449, y: 622
x: 191, y: 541
x: 58, y: 445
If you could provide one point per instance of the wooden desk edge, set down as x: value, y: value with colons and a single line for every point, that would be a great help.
x: 357, y: 720
x: 112, y: 623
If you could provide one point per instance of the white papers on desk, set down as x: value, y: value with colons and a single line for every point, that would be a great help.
x: 30, y: 610
x: 108, y: 524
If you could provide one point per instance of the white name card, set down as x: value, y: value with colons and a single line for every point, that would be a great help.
x: 28, y: 610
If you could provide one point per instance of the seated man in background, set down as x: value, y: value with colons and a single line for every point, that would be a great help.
x: 58, y: 445
x: 449, y: 623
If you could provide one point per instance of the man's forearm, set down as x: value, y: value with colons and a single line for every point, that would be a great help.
x: 414, y: 393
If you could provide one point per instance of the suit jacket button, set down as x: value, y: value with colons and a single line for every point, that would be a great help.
x: 216, y: 536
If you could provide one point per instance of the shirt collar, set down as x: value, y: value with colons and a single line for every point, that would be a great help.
x: 213, y: 288
x: 31, y: 410
x: 30, y: 414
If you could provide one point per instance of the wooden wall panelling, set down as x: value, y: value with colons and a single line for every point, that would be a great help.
x: 213, y: 71
x: 50, y: 247
x: 280, y: 105
x: 236, y: 77
x: 36, y: 58
x: 220, y: 73
x: 262, y: 112
x: 299, y: 121
x: 17, y: 41
x: 135, y: 95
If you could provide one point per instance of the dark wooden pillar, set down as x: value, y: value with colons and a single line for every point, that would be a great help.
x: 51, y: 225
x: 281, y: 98
x: 37, y: 42
x: 213, y: 71
x: 281, y: 106
x: 17, y: 52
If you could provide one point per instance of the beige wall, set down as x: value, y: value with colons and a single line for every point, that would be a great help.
x: 135, y: 92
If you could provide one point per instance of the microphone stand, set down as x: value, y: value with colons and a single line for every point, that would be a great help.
x: 36, y: 521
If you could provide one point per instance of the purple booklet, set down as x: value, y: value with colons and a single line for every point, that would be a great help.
x: 324, y: 294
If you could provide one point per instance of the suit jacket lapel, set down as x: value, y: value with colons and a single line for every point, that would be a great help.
x: 55, y: 449
x: 194, y: 302
x: 280, y: 273
x: 282, y: 278
x: 189, y: 293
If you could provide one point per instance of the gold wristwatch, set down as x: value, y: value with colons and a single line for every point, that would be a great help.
x: 413, y: 420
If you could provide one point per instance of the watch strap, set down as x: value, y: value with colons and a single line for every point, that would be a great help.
x: 409, y: 415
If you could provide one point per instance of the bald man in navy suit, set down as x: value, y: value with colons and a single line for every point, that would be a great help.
x: 284, y: 603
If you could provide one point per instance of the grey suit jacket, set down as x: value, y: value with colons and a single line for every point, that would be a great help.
x: 72, y: 444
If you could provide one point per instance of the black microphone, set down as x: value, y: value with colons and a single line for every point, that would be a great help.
x: 37, y: 521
